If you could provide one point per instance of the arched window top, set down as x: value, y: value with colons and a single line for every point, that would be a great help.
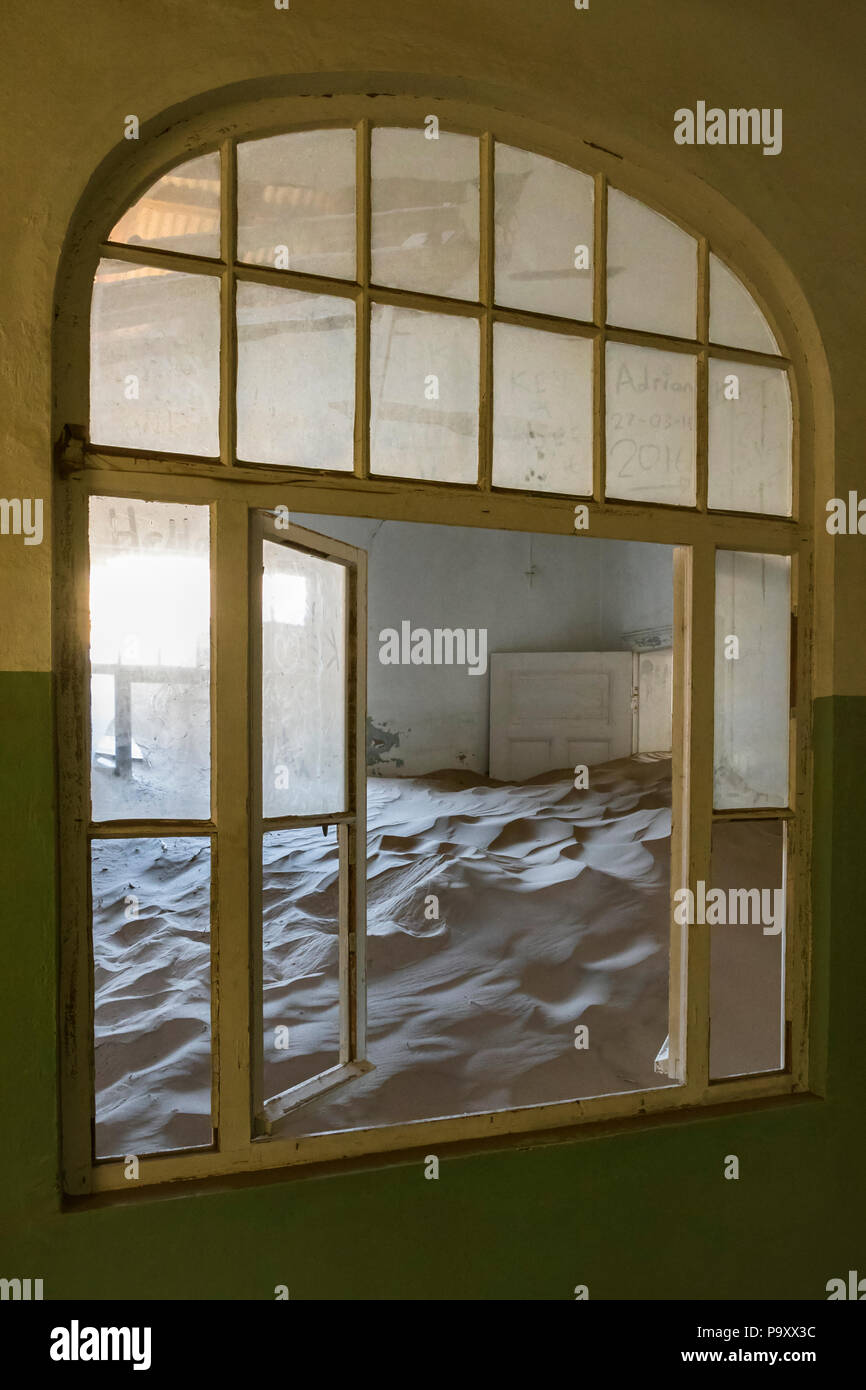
x: 414, y: 302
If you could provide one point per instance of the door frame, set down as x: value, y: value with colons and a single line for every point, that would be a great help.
x: 351, y: 824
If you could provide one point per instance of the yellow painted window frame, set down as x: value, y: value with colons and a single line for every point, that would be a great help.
x: 238, y: 491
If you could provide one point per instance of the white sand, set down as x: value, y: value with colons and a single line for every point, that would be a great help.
x: 553, y: 911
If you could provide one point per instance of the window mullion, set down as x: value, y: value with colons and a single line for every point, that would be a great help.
x: 228, y: 331
x: 232, y: 880
x: 486, y: 293
x: 362, y: 312
x: 599, y: 313
x: 699, y: 737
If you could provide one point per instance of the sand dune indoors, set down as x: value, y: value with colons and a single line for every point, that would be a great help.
x: 552, y: 913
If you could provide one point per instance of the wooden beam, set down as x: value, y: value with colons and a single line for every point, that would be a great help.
x: 233, y: 886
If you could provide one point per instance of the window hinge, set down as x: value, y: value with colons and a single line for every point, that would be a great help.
x: 69, y: 450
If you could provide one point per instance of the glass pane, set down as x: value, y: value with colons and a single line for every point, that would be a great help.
x: 303, y: 683
x: 424, y: 395
x: 296, y: 377
x: 542, y: 417
x: 518, y: 930
x: 544, y: 231
x: 747, y: 947
x: 300, y: 956
x: 750, y: 438
x: 650, y: 425
x: 150, y: 660
x: 154, y: 360
x: 152, y: 994
x: 425, y: 212
x: 753, y: 629
x: 735, y: 319
x: 652, y: 270
x: 180, y: 212
x: 518, y: 914
x: 296, y: 202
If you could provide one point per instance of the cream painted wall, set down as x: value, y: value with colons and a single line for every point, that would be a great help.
x: 613, y: 75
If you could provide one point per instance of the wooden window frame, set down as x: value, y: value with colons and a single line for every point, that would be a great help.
x: 351, y: 827
x: 238, y: 493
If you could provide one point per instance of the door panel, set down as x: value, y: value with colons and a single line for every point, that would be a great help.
x: 550, y: 710
x: 655, y: 700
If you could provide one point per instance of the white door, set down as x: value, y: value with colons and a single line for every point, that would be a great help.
x: 553, y: 710
x: 654, y: 700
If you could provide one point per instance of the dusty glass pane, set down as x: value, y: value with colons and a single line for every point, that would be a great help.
x: 180, y: 212
x: 542, y: 410
x: 544, y: 235
x: 652, y: 270
x: 425, y: 212
x: 152, y: 994
x: 296, y: 202
x: 650, y: 425
x: 300, y: 956
x: 747, y: 947
x: 150, y: 659
x: 750, y: 438
x: 424, y: 395
x: 735, y: 319
x: 303, y: 683
x: 753, y: 628
x: 154, y: 360
x: 517, y: 942
x: 296, y: 377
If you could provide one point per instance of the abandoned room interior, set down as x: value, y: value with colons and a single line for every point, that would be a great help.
x: 434, y: 695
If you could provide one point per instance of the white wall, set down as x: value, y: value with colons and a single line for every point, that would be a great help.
x: 422, y: 718
x: 635, y: 590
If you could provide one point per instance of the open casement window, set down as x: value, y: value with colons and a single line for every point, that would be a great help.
x: 330, y: 312
x: 308, y: 677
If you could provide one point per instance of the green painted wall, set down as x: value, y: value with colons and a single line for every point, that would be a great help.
x: 637, y: 1214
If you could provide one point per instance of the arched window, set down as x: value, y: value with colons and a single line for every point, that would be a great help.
x: 297, y: 335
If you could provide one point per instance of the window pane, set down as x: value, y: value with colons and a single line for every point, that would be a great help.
x: 542, y: 420
x: 652, y: 270
x: 735, y: 319
x: 303, y: 683
x: 150, y: 660
x: 747, y: 948
x: 753, y: 627
x: 296, y: 202
x: 296, y: 377
x: 180, y: 212
x: 650, y: 425
x: 424, y: 395
x: 152, y: 994
x: 425, y: 212
x: 154, y: 360
x: 750, y: 438
x: 300, y: 956
x: 544, y: 224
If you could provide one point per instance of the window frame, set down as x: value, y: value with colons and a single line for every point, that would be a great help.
x: 350, y: 824
x: 235, y: 491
